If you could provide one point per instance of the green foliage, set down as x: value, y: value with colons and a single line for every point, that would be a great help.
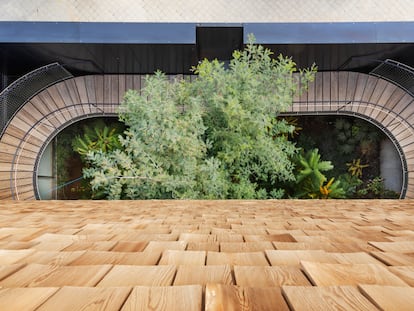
x: 161, y: 150
x: 355, y: 168
x: 356, y: 136
x: 375, y: 188
x: 98, y: 137
x: 332, y: 190
x: 350, y: 184
x: 215, y: 137
x: 63, y: 153
x: 310, y: 178
x: 311, y: 167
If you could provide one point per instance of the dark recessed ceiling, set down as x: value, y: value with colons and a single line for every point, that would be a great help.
x: 18, y: 59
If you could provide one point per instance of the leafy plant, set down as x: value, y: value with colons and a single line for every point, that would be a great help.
x: 310, y: 178
x: 375, y: 188
x: 350, y: 184
x: 311, y: 167
x: 332, y: 189
x: 355, y: 168
x: 294, y: 123
x: 214, y: 137
x: 98, y: 137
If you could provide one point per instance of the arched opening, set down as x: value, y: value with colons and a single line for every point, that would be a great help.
x: 363, y: 155
x: 33, y: 127
x: 59, y: 172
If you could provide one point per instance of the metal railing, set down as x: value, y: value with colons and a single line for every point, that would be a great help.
x: 23, y: 89
x: 397, y: 73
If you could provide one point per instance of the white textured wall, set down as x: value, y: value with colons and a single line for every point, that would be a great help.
x: 390, y: 166
x: 207, y: 11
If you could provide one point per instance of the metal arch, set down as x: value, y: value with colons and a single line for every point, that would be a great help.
x: 98, y: 114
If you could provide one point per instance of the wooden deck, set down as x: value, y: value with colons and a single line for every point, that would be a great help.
x: 207, y: 255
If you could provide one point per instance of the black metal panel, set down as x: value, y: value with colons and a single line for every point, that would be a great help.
x: 93, y: 32
x: 101, y: 58
x: 218, y: 42
x: 331, y: 33
x: 350, y: 57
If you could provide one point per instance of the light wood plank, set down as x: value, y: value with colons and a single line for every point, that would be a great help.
x: 189, y: 275
x: 234, y: 247
x: 270, y: 237
x: 174, y: 257
x: 355, y: 258
x: 116, y: 258
x: 129, y: 246
x: 203, y: 246
x: 8, y: 257
x: 394, y: 259
x: 239, y: 259
x: 175, y: 298
x: 36, y: 275
x: 396, y: 247
x: 59, y: 258
x: 323, y: 274
x: 6, y: 270
x: 253, y: 276
x: 227, y: 297
x: 308, y: 298
x: 24, y: 299
x: 138, y: 275
x: 294, y: 257
x: 405, y: 273
x: 161, y: 246
x: 98, y: 246
x: 86, y: 298
x: 390, y: 298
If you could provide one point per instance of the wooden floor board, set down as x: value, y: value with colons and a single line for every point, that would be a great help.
x: 294, y: 257
x: 188, y: 275
x: 61, y: 258
x: 8, y: 257
x: 86, y: 298
x: 390, y: 298
x: 302, y: 298
x: 124, y: 275
x: 6, y: 270
x: 323, y: 274
x: 227, y: 297
x: 394, y: 259
x: 36, y: 275
x: 176, y: 257
x: 241, y: 259
x: 405, y: 273
x: 397, y: 247
x: 234, y: 247
x: 24, y: 299
x: 206, y: 255
x: 116, y: 258
x: 173, y: 298
x: 254, y: 276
